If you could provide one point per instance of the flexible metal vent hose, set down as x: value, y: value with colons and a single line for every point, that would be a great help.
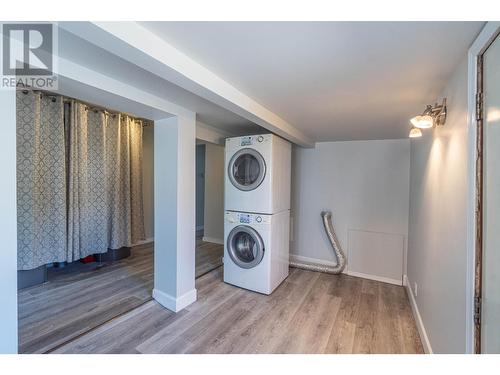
x: 339, y: 254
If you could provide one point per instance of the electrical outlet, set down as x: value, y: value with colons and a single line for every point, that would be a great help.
x: 415, y: 289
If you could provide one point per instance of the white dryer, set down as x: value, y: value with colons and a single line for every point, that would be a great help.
x: 256, y: 250
x: 257, y: 174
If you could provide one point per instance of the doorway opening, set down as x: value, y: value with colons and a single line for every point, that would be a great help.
x: 85, y: 217
x: 209, y: 206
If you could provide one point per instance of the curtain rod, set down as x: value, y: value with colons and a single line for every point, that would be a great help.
x: 95, y: 107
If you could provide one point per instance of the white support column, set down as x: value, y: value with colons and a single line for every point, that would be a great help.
x: 174, y: 186
x: 8, y: 224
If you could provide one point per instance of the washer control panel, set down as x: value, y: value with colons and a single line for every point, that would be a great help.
x: 247, y: 219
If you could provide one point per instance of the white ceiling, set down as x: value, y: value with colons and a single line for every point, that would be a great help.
x: 76, y: 49
x: 332, y: 80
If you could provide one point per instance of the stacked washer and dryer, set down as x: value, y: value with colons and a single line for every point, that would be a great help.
x: 257, y: 211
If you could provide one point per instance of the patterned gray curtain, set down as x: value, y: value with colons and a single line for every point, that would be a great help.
x: 79, y: 180
x: 118, y: 156
x: 41, y: 182
x: 137, y: 208
x: 105, y: 182
x: 87, y: 185
x: 124, y: 162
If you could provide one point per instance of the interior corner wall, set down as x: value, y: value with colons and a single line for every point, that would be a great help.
x: 214, y: 193
x: 364, y: 183
x: 437, y: 251
x: 148, y: 181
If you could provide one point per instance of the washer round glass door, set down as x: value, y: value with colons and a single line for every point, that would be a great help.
x: 247, y: 169
x: 245, y: 246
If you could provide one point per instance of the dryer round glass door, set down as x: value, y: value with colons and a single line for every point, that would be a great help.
x: 247, y: 169
x: 245, y: 246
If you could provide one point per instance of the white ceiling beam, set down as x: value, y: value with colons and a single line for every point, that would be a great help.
x: 138, y: 45
x: 86, y: 84
x: 211, y: 134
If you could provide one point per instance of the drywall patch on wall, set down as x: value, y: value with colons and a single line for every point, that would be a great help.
x: 437, y: 246
x: 364, y: 183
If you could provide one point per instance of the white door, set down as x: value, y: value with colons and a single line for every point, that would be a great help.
x: 490, y: 316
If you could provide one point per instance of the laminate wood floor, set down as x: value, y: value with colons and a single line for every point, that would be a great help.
x: 81, y: 297
x: 208, y: 256
x: 308, y: 313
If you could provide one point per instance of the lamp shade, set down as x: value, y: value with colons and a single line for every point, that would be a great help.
x: 415, y: 133
x: 422, y: 121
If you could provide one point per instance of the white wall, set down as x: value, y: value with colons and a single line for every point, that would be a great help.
x: 174, y: 180
x: 364, y: 183
x: 437, y: 224
x: 8, y: 223
x: 211, y: 134
x: 214, y: 193
x: 148, y: 180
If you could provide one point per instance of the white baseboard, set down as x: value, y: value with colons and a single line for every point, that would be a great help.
x: 303, y: 259
x: 321, y: 262
x: 213, y: 240
x: 315, y: 261
x: 418, y: 319
x: 405, y: 280
x: 376, y: 278
x: 142, y: 242
x: 172, y: 303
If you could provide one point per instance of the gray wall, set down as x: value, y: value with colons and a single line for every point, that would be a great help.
x: 364, y: 183
x: 214, y: 193
x: 437, y: 223
x: 200, y: 186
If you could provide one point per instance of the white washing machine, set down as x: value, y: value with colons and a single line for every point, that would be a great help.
x: 256, y: 250
x: 257, y: 174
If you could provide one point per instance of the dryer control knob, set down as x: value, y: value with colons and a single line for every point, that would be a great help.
x: 260, y: 138
x: 258, y: 219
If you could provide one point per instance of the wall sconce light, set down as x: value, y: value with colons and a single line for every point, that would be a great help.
x: 432, y: 115
x: 415, y: 132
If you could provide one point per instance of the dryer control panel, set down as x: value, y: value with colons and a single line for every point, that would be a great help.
x: 246, y: 141
x: 253, y: 139
x: 249, y: 140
